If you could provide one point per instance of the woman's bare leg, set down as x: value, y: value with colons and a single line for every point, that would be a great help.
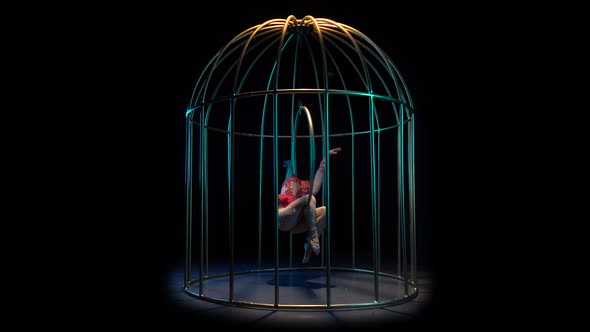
x: 290, y: 220
x: 289, y: 215
x: 302, y: 226
x: 320, y: 224
x: 310, y: 219
x: 320, y: 219
x: 309, y: 215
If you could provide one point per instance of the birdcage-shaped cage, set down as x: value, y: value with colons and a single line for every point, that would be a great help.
x: 292, y: 89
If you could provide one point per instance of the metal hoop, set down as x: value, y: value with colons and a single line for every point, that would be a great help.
x: 311, y: 149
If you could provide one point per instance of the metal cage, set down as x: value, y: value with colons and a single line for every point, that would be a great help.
x: 242, y: 121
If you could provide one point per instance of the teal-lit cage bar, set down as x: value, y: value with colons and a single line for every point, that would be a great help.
x: 276, y: 88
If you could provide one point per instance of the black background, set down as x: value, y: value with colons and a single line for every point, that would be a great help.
x: 93, y: 100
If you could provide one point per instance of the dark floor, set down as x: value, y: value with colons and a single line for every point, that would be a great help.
x: 303, y: 287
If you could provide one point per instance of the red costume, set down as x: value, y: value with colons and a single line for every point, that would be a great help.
x: 288, y: 197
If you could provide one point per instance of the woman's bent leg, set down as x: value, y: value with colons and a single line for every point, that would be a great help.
x: 310, y: 218
x: 320, y: 219
x: 289, y: 215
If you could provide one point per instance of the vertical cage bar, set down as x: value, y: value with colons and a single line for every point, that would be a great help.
x: 201, y: 201
x: 323, y: 238
x: 206, y: 194
x: 275, y: 160
x: 232, y: 186
x: 261, y: 157
x: 412, y: 198
x: 188, y: 196
x: 260, y: 174
x: 352, y: 208
x: 399, y: 203
x: 373, y: 197
x: 259, y: 262
x: 403, y: 200
x: 328, y: 242
x: 378, y: 182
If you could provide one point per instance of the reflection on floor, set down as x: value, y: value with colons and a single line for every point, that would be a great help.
x: 301, y: 287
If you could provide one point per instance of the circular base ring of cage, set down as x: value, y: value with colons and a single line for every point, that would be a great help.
x: 305, y: 288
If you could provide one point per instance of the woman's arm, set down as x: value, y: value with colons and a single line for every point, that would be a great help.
x: 319, y: 174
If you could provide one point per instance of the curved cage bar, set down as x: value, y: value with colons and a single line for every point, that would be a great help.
x: 241, y: 122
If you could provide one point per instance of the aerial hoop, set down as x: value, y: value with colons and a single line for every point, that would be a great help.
x: 311, y: 147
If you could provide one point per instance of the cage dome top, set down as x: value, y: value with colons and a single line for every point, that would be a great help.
x: 297, y: 57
